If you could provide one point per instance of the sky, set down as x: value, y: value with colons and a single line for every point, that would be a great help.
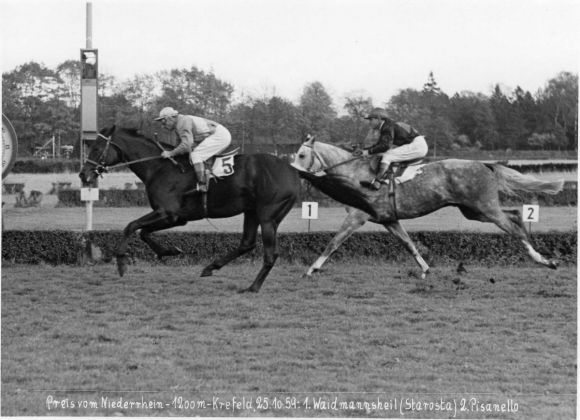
x: 372, y: 48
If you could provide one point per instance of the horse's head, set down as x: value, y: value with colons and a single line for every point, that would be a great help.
x: 334, y: 171
x: 103, y: 153
x: 307, y: 159
x: 316, y: 157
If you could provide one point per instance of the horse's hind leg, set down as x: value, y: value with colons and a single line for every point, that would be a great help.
x: 509, y: 221
x: 269, y: 239
x: 270, y: 217
x: 396, y: 229
x: 247, y: 244
x: 354, y: 220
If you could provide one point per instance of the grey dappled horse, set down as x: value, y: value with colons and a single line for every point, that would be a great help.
x: 471, y: 186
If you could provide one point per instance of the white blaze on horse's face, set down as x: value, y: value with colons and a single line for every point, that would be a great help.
x: 302, y: 158
x: 306, y: 160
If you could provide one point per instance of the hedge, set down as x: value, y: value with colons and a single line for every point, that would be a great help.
x: 66, y: 247
x: 107, y: 198
x: 136, y: 198
x: 45, y: 166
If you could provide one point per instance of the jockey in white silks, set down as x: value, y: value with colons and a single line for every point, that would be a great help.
x: 399, y: 142
x: 200, y: 137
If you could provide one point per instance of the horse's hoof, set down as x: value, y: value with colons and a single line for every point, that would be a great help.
x: 207, y: 272
x: 174, y: 251
x: 553, y: 264
x: 121, y: 265
x: 249, y: 290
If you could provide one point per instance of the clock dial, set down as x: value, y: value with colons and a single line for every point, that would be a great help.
x: 9, y: 146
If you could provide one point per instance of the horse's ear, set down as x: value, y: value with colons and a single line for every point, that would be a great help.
x: 309, y: 140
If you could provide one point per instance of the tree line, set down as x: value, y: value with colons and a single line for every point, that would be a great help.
x: 43, y: 102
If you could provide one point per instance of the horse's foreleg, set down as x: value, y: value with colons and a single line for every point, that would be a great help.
x: 354, y: 220
x: 247, y: 244
x: 396, y: 229
x: 160, y: 250
x: 155, y: 218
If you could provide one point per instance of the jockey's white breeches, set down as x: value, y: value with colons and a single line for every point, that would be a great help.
x: 414, y: 150
x: 211, y: 145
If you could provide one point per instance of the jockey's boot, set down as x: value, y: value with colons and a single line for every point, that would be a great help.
x: 376, y: 184
x: 201, y: 179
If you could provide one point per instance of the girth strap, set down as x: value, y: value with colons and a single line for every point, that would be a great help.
x: 391, y: 192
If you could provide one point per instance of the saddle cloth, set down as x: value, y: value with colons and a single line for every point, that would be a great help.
x: 221, y: 165
x: 404, y: 171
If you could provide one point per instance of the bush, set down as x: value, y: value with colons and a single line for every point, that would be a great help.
x: 64, y: 247
x: 34, y: 247
x: 107, y: 198
x: 45, y: 166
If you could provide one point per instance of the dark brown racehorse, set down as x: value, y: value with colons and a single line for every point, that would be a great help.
x: 262, y: 187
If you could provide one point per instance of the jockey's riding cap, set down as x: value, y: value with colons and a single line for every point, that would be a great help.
x: 166, y: 112
x: 379, y: 113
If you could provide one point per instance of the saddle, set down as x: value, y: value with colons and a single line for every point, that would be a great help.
x: 217, y: 167
x: 397, y: 169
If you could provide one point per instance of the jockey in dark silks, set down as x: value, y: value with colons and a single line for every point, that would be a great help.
x: 397, y: 141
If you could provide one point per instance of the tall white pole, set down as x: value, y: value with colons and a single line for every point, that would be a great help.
x: 89, y: 25
x: 89, y: 36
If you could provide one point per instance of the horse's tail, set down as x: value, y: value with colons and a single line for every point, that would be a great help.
x: 511, y: 181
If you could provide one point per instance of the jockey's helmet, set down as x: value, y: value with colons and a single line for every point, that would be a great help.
x: 378, y: 113
x: 166, y: 112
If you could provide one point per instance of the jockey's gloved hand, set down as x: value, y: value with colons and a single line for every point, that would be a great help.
x: 166, y: 154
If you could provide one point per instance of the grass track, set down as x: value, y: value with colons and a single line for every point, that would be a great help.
x: 356, y: 333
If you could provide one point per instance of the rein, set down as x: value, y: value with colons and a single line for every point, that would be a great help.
x: 323, y: 168
x: 102, y: 167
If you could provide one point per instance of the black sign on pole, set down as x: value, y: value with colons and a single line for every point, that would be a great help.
x: 89, y: 98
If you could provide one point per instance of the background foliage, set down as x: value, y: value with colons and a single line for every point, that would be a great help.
x: 43, y: 102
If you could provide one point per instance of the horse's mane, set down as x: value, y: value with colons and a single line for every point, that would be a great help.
x: 135, y: 132
x: 334, y: 147
x: 341, y: 185
x: 337, y: 149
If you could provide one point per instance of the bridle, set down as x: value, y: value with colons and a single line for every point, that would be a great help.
x: 101, y: 166
x: 315, y: 156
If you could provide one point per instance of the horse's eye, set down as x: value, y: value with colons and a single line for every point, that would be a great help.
x: 301, y: 155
